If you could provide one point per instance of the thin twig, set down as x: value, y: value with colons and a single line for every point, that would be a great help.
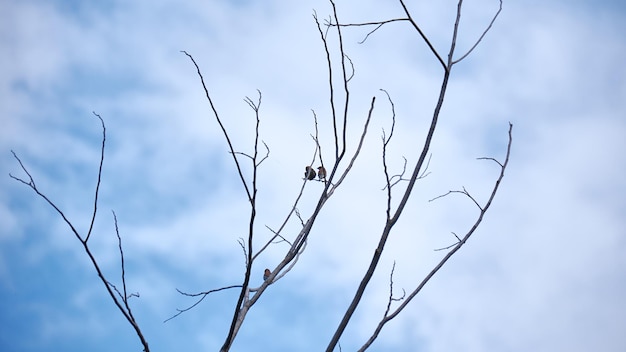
x: 481, y: 36
x: 219, y: 121
x: 450, y: 246
x: 386, y: 141
x: 123, y: 266
x: 358, y: 149
x: 202, y: 297
x: 391, y: 298
x: 95, y: 198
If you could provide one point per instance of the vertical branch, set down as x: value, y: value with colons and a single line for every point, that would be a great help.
x: 455, y: 33
x: 345, y: 81
x: 386, y: 141
x: 95, y: 198
x: 331, y: 86
x: 339, y: 150
x: 237, y: 315
x: 126, y: 296
x: 123, y: 266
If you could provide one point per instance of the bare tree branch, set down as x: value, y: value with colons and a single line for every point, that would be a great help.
x: 122, y: 265
x: 492, y: 159
x: 453, y: 251
x: 356, y: 152
x: 391, y: 297
x: 450, y: 246
x: 251, y: 193
x: 464, y: 191
x: 352, y: 71
x: 345, y: 84
x: 424, y: 37
x: 202, y: 296
x: 267, y: 154
x: 294, y: 209
x: 377, y: 24
x: 481, y: 36
x: 391, y: 221
x: 219, y: 121
x: 330, y: 80
x: 237, y: 315
x: 95, y: 198
x: 243, y: 249
x: 33, y: 186
x: 395, y: 179
x: 122, y: 302
x: 386, y: 141
x: 297, y: 242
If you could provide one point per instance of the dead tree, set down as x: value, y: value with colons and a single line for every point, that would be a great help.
x: 334, y: 166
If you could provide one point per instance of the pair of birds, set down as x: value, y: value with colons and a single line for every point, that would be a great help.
x: 309, y: 173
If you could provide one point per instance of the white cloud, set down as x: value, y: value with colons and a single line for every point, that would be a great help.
x: 543, y: 273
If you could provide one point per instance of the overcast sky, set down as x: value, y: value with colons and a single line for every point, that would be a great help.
x: 545, y: 272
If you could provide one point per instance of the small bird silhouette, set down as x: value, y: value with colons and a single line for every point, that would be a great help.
x: 266, y: 274
x: 321, y: 173
x: 309, y: 173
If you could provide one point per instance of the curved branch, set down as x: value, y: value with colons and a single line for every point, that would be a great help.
x: 481, y: 36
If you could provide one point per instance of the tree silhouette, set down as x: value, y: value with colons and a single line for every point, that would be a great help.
x: 329, y: 166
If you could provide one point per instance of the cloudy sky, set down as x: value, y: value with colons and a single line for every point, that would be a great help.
x: 546, y: 271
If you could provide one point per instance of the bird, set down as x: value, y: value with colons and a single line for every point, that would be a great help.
x: 321, y: 173
x: 309, y: 173
x: 266, y: 274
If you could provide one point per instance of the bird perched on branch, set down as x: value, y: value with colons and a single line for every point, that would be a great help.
x: 321, y: 173
x: 309, y: 173
x: 266, y: 274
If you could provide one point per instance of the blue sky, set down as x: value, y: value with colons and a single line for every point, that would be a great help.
x: 544, y: 272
